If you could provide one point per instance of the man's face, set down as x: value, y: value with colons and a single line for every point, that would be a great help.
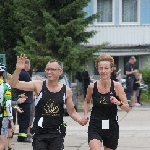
x: 132, y: 61
x: 53, y: 71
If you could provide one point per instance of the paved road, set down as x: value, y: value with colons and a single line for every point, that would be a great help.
x: 134, y: 132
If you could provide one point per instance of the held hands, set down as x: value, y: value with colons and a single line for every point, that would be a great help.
x: 83, y: 121
x: 21, y: 61
x: 114, y: 100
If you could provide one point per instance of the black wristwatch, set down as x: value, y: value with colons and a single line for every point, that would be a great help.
x: 120, y: 104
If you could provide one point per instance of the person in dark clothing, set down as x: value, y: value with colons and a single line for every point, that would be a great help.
x: 114, y: 74
x: 129, y: 71
x: 86, y: 81
x: 79, y: 76
x: 24, y: 118
x: 15, y: 101
x: 79, y: 82
x: 106, y: 95
x: 48, y: 127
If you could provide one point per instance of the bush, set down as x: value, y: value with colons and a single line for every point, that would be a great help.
x: 146, y: 77
x: 145, y: 96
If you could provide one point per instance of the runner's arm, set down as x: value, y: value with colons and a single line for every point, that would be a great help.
x: 87, y: 100
x: 122, y: 96
x: 22, y: 85
x: 70, y: 106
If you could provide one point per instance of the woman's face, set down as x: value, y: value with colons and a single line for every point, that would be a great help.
x: 104, y: 69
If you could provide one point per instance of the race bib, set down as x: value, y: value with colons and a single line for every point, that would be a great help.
x: 105, y: 124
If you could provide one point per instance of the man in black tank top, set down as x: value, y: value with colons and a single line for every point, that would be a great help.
x: 48, y: 127
x: 106, y: 95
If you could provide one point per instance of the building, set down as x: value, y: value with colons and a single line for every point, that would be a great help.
x: 125, y: 25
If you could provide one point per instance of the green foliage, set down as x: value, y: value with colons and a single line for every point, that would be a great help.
x: 145, y: 76
x: 55, y: 29
x: 145, y: 96
x: 9, y: 32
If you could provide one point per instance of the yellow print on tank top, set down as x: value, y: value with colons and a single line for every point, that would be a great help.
x: 103, y: 100
x: 51, y: 108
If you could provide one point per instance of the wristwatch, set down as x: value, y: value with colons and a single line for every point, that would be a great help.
x: 120, y: 104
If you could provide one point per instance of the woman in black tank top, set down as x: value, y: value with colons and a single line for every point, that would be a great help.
x: 107, y: 95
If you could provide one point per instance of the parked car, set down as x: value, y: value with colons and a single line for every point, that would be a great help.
x: 64, y: 78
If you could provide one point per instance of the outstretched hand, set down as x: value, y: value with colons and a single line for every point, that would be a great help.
x: 21, y: 61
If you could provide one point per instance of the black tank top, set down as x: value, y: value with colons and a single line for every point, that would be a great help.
x: 103, y: 109
x: 49, y: 108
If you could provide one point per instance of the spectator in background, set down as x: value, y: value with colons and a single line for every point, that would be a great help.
x: 84, y: 78
x: 114, y: 74
x: 136, y: 85
x: 129, y: 72
x: 24, y: 118
x: 86, y: 81
x: 80, y: 82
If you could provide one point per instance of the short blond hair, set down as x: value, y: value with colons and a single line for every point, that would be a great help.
x: 133, y: 58
x: 104, y: 57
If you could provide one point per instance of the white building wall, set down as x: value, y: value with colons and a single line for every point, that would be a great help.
x: 122, y: 35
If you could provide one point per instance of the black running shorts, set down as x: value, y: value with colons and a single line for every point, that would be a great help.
x: 47, y: 143
x: 109, y: 139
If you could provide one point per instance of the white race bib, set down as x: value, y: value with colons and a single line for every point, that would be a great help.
x: 105, y: 124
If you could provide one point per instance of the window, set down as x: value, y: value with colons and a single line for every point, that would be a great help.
x: 106, y: 9
x: 129, y: 12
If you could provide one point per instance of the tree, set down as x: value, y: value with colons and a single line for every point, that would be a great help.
x: 56, y: 29
x: 9, y: 32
